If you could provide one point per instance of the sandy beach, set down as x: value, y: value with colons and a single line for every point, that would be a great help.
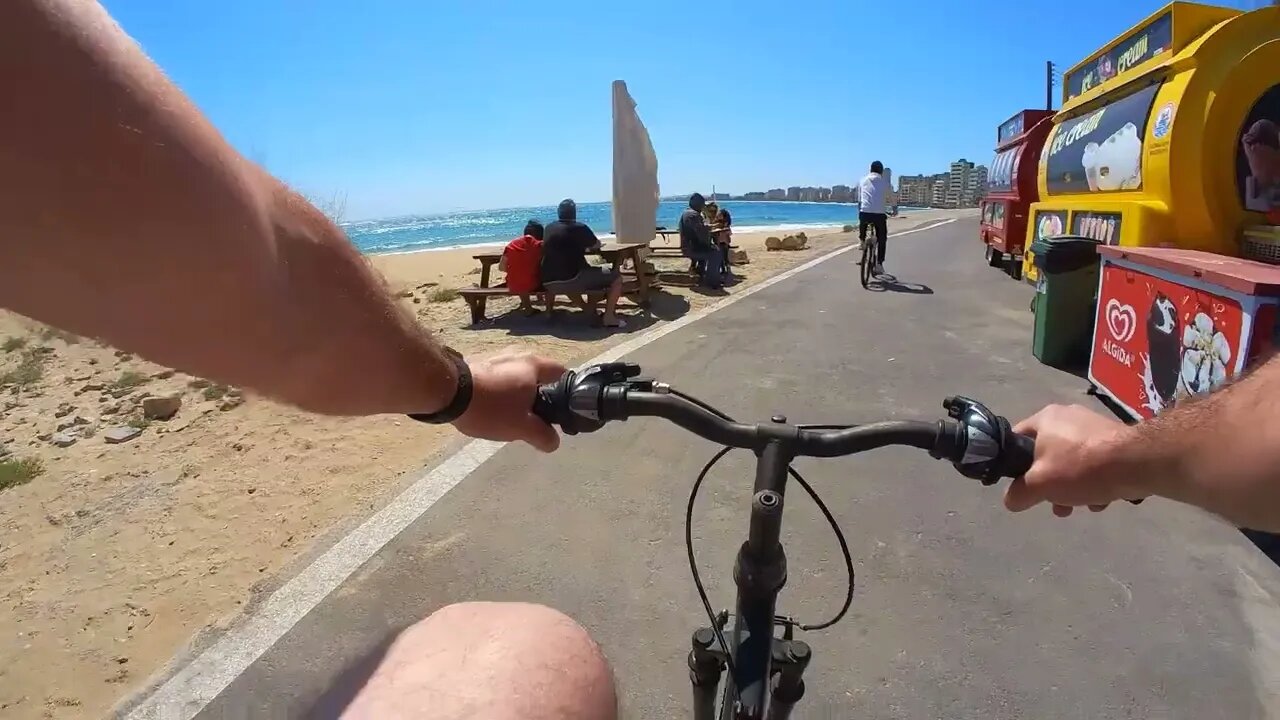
x: 117, y: 556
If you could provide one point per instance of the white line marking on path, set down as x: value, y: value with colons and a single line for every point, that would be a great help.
x: 188, y: 691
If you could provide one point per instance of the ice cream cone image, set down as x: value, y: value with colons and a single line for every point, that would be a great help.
x: 1262, y: 148
x: 1089, y: 161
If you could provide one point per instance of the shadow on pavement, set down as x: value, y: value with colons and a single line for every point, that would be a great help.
x: 889, y: 283
x: 1268, y: 543
x: 345, y: 687
x: 570, y: 323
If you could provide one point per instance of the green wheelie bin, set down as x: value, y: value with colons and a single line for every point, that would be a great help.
x: 1066, y: 296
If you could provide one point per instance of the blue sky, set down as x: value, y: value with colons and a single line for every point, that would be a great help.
x: 412, y: 107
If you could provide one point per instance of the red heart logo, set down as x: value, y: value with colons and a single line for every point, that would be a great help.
x: 1122, y: 320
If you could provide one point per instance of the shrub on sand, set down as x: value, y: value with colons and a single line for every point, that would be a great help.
x: 16, y: 471
x: 442, y: 294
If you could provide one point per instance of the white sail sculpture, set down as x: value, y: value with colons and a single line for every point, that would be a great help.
x: 635, y: 172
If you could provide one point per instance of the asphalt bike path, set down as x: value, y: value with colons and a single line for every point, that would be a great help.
x: 961, y: 608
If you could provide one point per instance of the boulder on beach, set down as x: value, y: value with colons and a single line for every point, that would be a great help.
x: 848, y: 228
x: 117, y: 435
x: 739, y: 257
x: 791, y: 242
x: 161, y: 407
x: 63, y: 439
x: 773, y: 243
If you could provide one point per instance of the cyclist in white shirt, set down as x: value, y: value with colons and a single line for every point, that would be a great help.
x: 873, y: 194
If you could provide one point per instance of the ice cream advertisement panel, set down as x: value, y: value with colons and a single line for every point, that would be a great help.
x: 1140, y: 46
x: 1100, y: 151
x: 1010, y: 128
x: 1101, y: 226
x: 1258, y: 155
x: 1049, y: 223
x: 1157, y: 342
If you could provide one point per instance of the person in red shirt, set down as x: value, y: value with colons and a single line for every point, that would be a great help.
x: 520, y: 261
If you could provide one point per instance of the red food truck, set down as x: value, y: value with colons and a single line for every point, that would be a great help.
x: 1012, y: 187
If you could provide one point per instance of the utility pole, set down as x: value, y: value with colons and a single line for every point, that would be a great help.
x: 1048, y: 83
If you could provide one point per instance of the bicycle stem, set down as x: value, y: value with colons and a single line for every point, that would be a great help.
x: 755, y: 691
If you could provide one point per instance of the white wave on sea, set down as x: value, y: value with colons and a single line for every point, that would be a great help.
x: 475, y: 228
x: 409, y: 248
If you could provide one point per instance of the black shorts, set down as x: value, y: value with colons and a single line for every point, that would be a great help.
x: 592, y: 278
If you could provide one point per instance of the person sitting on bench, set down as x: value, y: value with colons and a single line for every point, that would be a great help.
x: 697, y: 245
x: 564, y: 263
x: 521, y: 259
x: 722, y: 231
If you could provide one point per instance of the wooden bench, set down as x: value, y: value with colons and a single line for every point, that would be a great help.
x: 638, y: 285
x: 477, y: 297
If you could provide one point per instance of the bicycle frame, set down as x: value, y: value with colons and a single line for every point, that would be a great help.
x: 768, y: 670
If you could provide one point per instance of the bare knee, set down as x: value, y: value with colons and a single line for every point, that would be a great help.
x: 491, y: 660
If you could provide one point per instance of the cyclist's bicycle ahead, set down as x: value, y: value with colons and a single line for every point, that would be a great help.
x: 766, y: 669
x: 867, y: 264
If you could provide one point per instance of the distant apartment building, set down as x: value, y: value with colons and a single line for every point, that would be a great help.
x: 755, y: 196
x: 824, y: 194
x: 915, y: 190
x: 966, y: 184
x: 776, y: 194
x: 976, y: 187
x: 957, y: 181
x: 810, y: 194
x: 793, y: 192
x: 938, y: 190
x: 841, y: 193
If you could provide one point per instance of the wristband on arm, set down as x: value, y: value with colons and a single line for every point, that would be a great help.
x: 461, y: 396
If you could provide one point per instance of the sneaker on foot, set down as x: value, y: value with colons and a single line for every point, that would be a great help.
x: 878, y: 269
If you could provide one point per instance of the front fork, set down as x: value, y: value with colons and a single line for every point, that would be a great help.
x: 707, y: 662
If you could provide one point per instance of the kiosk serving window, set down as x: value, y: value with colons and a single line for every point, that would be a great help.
x: 993, y: 214
x: 1100, y: 151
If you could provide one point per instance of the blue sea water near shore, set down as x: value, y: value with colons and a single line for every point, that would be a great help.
x: 478, y: 227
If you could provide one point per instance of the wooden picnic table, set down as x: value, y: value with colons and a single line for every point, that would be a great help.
x: 616, y: 253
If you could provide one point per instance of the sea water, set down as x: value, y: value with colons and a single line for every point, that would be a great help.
x: 479, y: 227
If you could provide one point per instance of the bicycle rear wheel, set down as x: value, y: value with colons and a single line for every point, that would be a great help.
x: 868, y: 249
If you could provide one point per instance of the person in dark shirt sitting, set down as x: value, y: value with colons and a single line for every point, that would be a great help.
x: 697, y: 245
x: 564, y: 262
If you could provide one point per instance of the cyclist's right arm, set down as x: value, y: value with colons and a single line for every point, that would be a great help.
x: 1220, y: 453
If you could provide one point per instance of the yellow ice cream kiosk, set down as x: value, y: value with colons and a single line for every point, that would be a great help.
x: 1142, y: 151
x: 1166, y: 151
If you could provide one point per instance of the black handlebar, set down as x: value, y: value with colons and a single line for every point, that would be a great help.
x: 980, y: 444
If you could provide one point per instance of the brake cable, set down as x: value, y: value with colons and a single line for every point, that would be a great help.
x: 688, y: 536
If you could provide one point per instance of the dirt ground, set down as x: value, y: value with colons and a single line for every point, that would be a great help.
x: 114, y: 556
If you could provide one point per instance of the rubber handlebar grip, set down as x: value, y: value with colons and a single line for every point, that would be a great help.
x: 544, y: 404
x: 1022, y: 453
